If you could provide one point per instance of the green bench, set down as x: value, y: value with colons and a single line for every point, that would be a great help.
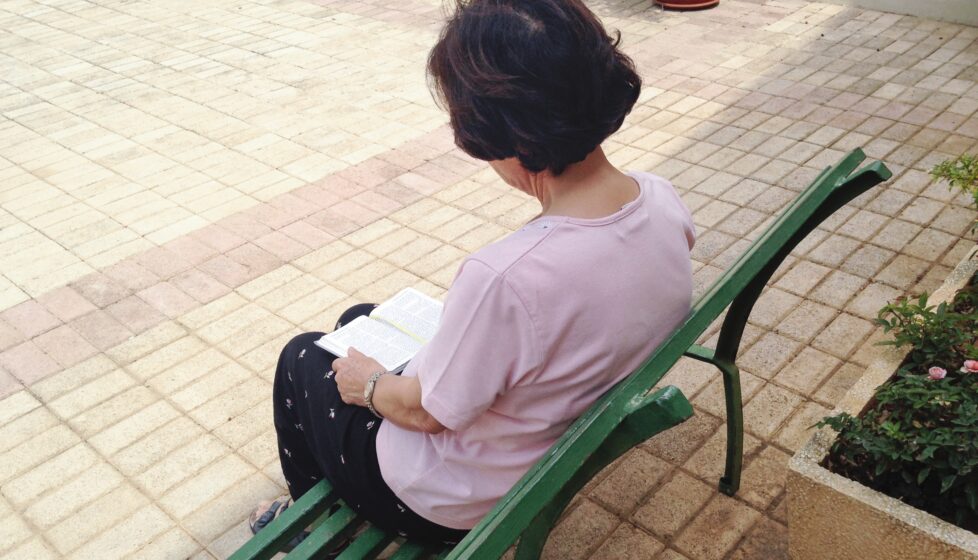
x: 624, y: 417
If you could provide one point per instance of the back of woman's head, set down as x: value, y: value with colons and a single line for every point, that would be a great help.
x: 540, y: 80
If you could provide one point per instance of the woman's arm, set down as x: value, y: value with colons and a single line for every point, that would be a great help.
x: 397, y: 398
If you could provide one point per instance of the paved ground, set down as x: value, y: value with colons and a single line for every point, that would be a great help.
x: 185, y: 185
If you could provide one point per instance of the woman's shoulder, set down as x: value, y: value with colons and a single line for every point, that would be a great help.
x: 504, y: 254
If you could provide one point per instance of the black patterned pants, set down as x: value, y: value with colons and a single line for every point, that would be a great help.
x: 320, y: 436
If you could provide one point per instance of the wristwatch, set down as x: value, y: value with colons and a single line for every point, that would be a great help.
x: 368, y: 393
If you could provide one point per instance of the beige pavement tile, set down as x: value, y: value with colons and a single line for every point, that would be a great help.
x: 231, y: 508
x: 128, y: 536
x: 25, y: 426
x: 155, y: 446
x: 175, y: 464
x: 287, y: 293
x: 799, y: 426
x: 231, y: 403
x: 132, y: 428
x: 806, y: 320
x: 179, y: 373
x: 842, y: 335
x: 56, y: 385
x: 209, y: 385
x: 75, y: 493
x: 212, y: 311
x: 802, y: 277
x: 678, y: 444
x: 34, y: 548
x: 110, y: 411
x: 670, y: 507
x: 262, y: 451
x: 628, y: 543
x: 717, y: 528
x: 768, y: 539
x: 579, y: 532
x: 28, y: 454
x: 50, y: 474
x: 871, y: 299
x: 245, y: 426
x: 13, y: 530
x: 807, y: 370
x: 205, y: 486
x: 837, y: 289
x: 764, y: 477
x: 635, y: 475
x: 173, y: 543
x: 90, y: 394
x: 712, y: 398
x: 670, y: 554
x: 765, y: 413
x: 142, y: 344
x: 769, y: 354
x: 708, y: 461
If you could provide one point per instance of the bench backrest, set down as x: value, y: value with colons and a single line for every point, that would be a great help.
x: 549, y: 479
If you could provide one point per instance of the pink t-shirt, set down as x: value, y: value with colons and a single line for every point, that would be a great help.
x: 536, y: 327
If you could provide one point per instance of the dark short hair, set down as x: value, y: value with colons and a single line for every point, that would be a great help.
x: 540, y: 80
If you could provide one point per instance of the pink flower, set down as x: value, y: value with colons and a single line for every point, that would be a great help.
x: 936, y: 373
x: 970, y: 366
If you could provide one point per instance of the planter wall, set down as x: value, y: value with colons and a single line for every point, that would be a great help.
x: 833, y: 518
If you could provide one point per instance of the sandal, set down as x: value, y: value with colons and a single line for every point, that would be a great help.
x: 267, y: 512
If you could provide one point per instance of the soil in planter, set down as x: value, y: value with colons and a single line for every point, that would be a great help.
x: 917, y: 440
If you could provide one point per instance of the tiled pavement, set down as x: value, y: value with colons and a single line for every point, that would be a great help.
x: 184, y: 186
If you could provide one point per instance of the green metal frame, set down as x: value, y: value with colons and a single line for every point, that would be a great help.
x: 624, y: 417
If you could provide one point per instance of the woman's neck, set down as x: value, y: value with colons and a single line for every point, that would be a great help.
x: 592, y: 188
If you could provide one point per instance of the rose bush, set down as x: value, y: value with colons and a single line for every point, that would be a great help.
x: 918, y: 439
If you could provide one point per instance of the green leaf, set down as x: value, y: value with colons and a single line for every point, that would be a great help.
x: 922, y: 475
x: 947, y: 481
x: 971, y: 493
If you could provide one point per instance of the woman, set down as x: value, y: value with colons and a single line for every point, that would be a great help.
x: 536, y: 326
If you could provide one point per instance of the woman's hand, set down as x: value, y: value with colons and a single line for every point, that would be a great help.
x: 352, y: 374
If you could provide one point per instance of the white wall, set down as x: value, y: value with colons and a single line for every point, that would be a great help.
x: 958, y: 11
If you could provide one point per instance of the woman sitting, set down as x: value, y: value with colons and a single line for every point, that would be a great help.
x: 537, y: 326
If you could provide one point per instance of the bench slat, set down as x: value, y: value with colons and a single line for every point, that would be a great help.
x: 327, y: 535
x: 300, y: 515
x: 367, y: 544
x: 411, y: 551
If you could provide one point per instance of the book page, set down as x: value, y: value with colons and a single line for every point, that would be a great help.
x: 389, y: 346
x: 413, y: 312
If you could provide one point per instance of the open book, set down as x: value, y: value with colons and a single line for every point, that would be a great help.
x: 393, y: 332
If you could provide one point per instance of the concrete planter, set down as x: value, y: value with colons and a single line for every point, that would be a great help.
x: 833, y: 518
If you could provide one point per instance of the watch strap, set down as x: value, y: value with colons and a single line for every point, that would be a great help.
x: 368, y: 393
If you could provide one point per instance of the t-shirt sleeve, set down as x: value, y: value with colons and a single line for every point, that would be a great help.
x: 485, y: 344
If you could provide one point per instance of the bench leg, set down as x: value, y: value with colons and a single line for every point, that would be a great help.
x: 730, y: 482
